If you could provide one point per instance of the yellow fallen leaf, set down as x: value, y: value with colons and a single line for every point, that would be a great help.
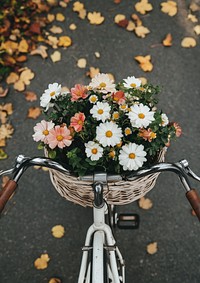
x: 50, y: 18
x: 119, y: 17
x: 60, y: 17
x: 42, y: 261
x: 169, y: 7
x: 188, y: 42
x: 53, y: 41
x: 54, y: 280
x: 152, y: 248
x: 78, y: 6
x: 144, y: 63
x: 58, y: 231
x: 8, y: 108
x: 197, y: 29
x: 194, y: 7
x: 137, y: 20
x: 26, y: 76
x: 34, y: 112
x: 141, y: 31
x: 40, y: 50
x: 130, y: 26
x: 145, y: 203
x: 168, y: 40
x: 97, y: 54
x: 19, y: 85
x: 12, y: 78
x: 82, y: 62
x: 82, y: 14
x: 23, y: 46
x: 192, y: 18
x: 93, y: 72
x: 30, y: 96
x: 95, y: 18
x: 63, y: 4
x: 64, y: 41
x: 55, y: 29
x: 3, y: 155
x: 9, y: 46
x: 143, y: 6
x: 72, y: 27
x: 56, y: 56
x: 6, y: 131
x: 3, y: 92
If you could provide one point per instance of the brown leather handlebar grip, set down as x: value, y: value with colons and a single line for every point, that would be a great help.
x: 194, y: 200
x: 6, y: 193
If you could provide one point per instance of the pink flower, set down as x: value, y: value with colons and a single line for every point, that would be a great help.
x: 42, y: 131
x: 77, y: 121
x: 178, y: 129
x: 147, y: 134
x: 79, y: 91
x: 59, y: 136
x: 119, y: 97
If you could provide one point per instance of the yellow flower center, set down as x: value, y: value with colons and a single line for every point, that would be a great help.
x: 141, y: 116
x: 100, y: 111
x: 45, y: 132
x: 153, y: 135
x: 109, y: 134
x: 115, y: 115
x: 123, y: 106
x: 59, y: 138
x: 80, y: 122
x: 132, y: 155
x: 112, y: 154
x: 133, y: 85
x: 52, y: 93
x: 102, y: 85
x: 94, y: 151
x: 93, y: 98
x: 119, y: 144
x: 128, y: 132
x: 142, y: 88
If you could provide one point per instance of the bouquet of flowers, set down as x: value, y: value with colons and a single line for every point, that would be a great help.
x: 104, y: 126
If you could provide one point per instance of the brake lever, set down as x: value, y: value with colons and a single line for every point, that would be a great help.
x: 18, y: 161
x: 185, y: 164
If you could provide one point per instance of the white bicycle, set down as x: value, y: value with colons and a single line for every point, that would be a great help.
x: 102, y: 261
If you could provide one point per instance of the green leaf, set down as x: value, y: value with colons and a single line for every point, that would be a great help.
x: 52, y: 154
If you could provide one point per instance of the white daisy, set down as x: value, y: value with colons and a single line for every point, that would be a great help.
x: 165, y: 120
x: 132, y: 156
x: 51, y: 93
x: 101, y: 111
x: 123, y: 107
x: 127, y: 131
x: 93, y: 150
x: 132, y: 82
x: 102, y: 83
x: 108, y: 134
x: 140, y: 115
x: 93, y: 98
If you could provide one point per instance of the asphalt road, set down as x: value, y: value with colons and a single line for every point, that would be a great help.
x: 25, y: 231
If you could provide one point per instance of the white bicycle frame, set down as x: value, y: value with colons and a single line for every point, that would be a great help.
x: 103, y: 238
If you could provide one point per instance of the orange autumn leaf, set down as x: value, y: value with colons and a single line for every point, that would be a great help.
x: 95, y: 18
x: 58, y: 231
x: 145, y: 63
x: 9, y: 46
x: 78, y: 6
x: 60, y: 17
x: 19, y: 85
x: 152, y: 248
x: 54, y: 280
x: 119, y: 17
x: 143, y: 6
x: 6, y: 131
x: 145, y: 203
x: 23, y: 46
x: 34, y: 112
x: 168, y: 40
x: 12, y: 78
x: 42, y: 261
x: 30, y: 96
x: 169, y: 7
x: 64, y: 41
x: 8, y: 108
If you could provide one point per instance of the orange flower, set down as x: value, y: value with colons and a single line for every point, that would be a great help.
x: 79, y: 91
x: 119, y: 97
x: 178, y: 129
x: 77, y: 121
x: 147, y: 134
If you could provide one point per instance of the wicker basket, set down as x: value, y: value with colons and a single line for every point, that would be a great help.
x: 118, y: 192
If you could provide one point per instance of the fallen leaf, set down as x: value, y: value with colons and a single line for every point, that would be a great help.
x: 145, y: 203
x: 60, y: 17
x: 12, y: 78
x: 93, y: 72
x: 56, y: 56
x: 130, y: 26
x: 152, y: 248
x: 111, y: 77
x: 58, y: 231
x: 21, y: 58
x: 41, y: 50
x: 168, y: 40
x: 26, y: 76
x: 3, y: 92
x: 197, y: 29
x: 65, y: 89
x: 30, y: 96
x: 34, y: 112
x: 55, y: 29
x: 55, y: 280
x: 3, y: 118
x: 19, y: 85
x: 192, y: 18
x: 23, y: 46
x: 123, y: 23
x: 50, y: 18
x: 137, y: 20
x: 62, y: 4
x: 194, y: 7
x: 2, y: 143
x: 141, y: 31
x: 6, y: 131
x: 119, y: 17
x: 82, y: 14
x: 42, y: 261
x: 144, y: 62
x: 78, y: 6
x: 143, y: 6
x: 3, y: 155
x: 72, y: 27
x: 8, y: 108
x: 82, y: 62
x: 169, y: 7
x: 143, y: 80
x: 64, y: 41
x: 53, y: 41
x: 188, y: 42
x: 97, y: 54
x: 95, y: 18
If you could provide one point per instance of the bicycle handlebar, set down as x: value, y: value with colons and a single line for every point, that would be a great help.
x: 181, y: 169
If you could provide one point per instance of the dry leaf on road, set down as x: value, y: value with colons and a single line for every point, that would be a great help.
x: 168, y: 40
x: 55, y: 280
x: 78, y: 6
x: 119, y: 17
x: 72, y: 27
x: 34, y: 112
x: 188, y: 42
x: 145, y: 203
x: 58, y: 231
x: 30, y: 96
x: 141, y: 31
x: 55, y: 29
x: 95, y: 18
x: 197, y: 29
x: 82, y: 62
x: 23, y: 46
x: 145, y: 63
x: 56, y: 56
x: 93, y: 72
x: 60, y: 17
x: 152, y: 248
x: 40, y: 50
x: 64, y: 41
x: 169, y: 7
x: 143, y: 6
x: 42, y: 261
x: 3, y: 92
x: 12, y: 78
